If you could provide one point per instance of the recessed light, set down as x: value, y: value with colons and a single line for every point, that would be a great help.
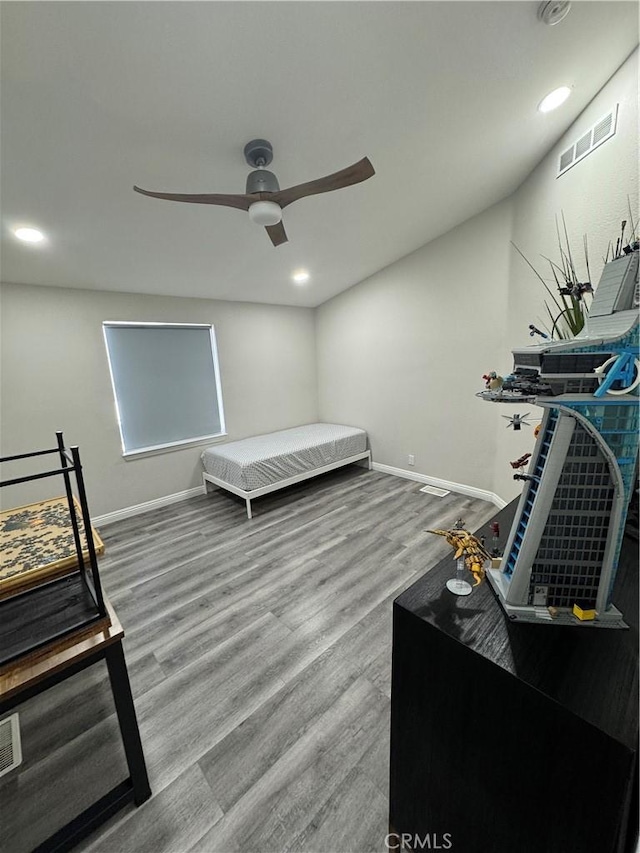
x: 29, y: 235
x: 554, y: 99
x: 300, y: 276
x: 553, y: 11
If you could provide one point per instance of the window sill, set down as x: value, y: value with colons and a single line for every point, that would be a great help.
x: 131, y: 455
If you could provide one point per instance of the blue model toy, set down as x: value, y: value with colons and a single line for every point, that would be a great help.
x: 561, y: 555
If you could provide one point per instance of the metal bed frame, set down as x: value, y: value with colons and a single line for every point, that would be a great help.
x: 281, y: 484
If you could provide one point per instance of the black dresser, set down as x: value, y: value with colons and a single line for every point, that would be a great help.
x: 512, y: 737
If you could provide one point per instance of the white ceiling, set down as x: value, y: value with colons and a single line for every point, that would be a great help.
x: 441, y: 96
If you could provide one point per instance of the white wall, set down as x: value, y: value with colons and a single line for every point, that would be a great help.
x: 55, y: 376
x: 402, y: 353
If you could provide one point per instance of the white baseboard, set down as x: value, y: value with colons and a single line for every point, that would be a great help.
x: 461, y: 488
x: 138, y: 509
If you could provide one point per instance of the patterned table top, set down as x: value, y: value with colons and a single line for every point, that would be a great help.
x: 36, y: 543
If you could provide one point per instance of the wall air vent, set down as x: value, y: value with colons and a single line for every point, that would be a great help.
x: 583, y: 145
x: 433, y: 490
x: 10, y: 750
x: 567, y: 158
x: 589, y: 141
x: 602, y: 130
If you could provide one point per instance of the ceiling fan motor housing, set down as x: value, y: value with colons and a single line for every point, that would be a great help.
x: 262, y: 181
x: 258, y: 153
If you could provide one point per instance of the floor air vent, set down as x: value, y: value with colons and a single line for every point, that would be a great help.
x: 589, y: 141
x: 10, y: 751
x: 433, y: 490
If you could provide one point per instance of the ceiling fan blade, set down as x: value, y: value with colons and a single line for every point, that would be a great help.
x: 276, y: 233
x: 242, y: 202
x: 354, y: 174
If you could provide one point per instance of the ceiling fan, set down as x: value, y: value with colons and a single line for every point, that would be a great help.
x: 263, y: 197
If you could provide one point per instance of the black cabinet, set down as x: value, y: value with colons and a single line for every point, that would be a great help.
x: 512, y: 737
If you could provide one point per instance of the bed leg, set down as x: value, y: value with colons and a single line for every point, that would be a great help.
x: 248, y: 502
x: 370, y: 462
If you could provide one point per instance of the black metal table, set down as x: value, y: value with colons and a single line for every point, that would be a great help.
x: 37, y: 672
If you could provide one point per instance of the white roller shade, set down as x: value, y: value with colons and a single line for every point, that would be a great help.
x: 166, y: 383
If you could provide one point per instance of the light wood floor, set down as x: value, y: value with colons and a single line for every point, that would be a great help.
x: 259, y: 654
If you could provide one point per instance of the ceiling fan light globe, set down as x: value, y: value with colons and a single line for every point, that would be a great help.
x: 265, y: 213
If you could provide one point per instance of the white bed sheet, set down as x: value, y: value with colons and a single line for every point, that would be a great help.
x: 261, y: 460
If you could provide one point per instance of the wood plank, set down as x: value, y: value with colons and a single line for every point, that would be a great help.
x: 259, y: 656
x: 353, y: 820
x: 304, y: 777
x: 253, y: 747
x: 353, y: 577
x: 173, y: 820
x: 78, y: 704
x: 51, y: 788
x: 203, y: 702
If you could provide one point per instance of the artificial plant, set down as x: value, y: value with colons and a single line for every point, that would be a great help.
x: 571, y: 309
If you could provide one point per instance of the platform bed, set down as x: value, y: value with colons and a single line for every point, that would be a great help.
x: 262, y: 464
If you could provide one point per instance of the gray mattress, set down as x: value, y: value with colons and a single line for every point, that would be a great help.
x: 266, y: 459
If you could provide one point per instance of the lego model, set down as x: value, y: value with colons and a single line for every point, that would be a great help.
x: 467, y: 547
x: 560, y: 558
x: 492, y: 381
x: 517, y: 421
x: 535, y: 331
x: 521, y: 461
x: 496, y: 553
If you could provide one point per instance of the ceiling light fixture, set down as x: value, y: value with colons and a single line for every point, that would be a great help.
x: 554, y: 11
x: 29, y: 235
x: 554, y: 99
x: 265, y: 213
x: 300, y: 277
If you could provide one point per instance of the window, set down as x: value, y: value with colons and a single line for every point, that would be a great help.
x: 166, y: 384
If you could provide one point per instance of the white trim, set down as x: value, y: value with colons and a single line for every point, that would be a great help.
x: 157, y: 503
x: 461, y: 488
x: 160, y: 324
x: 138, y: 509
x: 174, y: 445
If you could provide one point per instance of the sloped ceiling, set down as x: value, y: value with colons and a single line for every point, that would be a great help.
x: 441, y: 96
